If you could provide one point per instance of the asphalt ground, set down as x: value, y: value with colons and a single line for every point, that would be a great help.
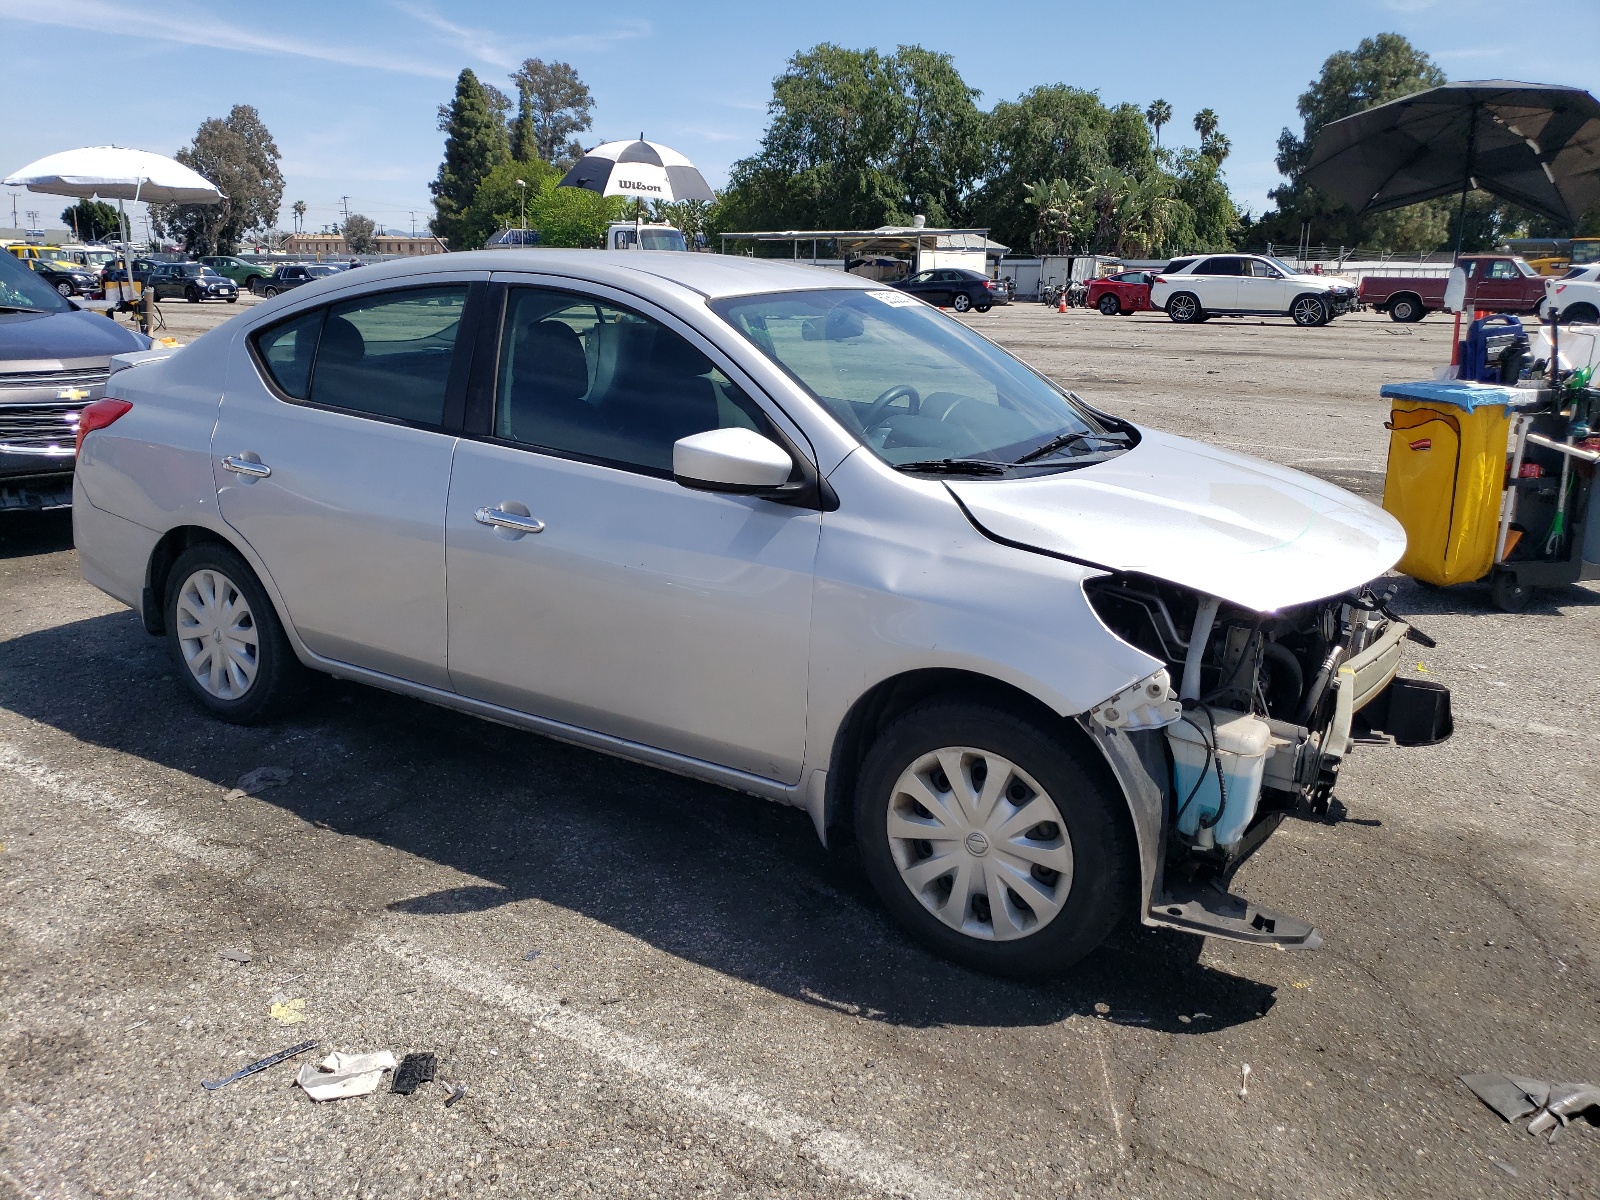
x: 653, y: 987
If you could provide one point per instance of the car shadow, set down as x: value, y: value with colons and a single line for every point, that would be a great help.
x: 735, y: 884
x: 24, y: 534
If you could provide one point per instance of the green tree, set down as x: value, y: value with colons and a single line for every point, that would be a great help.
x: 1128, y: 141
x: 1380, y: 69
x: 1205, y: 123
x: 299, y: 210
x: 90, y: 219
x: 475, y: 143
x: 1158, y: 114
x: 555, y: 104
x: 858, y: 139
x: 498, y: 201
x: 238, y: 155
x: 569, y: 216
x: 1061, y: 219
x: 359, y: 232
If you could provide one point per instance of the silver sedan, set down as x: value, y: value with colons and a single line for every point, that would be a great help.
x: 781, y: 530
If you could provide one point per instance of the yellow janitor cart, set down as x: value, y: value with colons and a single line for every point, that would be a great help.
x: 1446, y: 473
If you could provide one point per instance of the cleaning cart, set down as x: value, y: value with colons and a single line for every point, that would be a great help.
x: 1474, y: 508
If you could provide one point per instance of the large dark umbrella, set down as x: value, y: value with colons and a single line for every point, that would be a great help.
x: 1536, y: 145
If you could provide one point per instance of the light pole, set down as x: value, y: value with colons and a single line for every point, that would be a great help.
x: 522, y: 196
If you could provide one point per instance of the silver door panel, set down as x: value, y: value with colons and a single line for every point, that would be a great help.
x: 646, y: 611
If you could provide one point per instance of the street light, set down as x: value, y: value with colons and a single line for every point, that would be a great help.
x: 522, y: 196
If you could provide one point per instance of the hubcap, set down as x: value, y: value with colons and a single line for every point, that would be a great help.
x: 217, y: 634
x: 1183, y: 308
x: 979, y: 843
x: 1307, y: 312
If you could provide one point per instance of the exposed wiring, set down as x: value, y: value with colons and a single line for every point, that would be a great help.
x: 1213, y: 760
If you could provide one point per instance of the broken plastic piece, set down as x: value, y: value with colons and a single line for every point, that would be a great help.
x: 343, y: 1075
x: 1552, y: 1105
x: 415, y: 1070
x: 271, y: 1060
x: 288, y: 1012
x: 457, y: 1091
x: 1149, y: 704
x: 259, y: 780
x: 238, y: 956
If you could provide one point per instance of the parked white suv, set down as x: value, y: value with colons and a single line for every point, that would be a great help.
x: 1196, y: 289
x: 778, y: 529
x: 1575, y: 295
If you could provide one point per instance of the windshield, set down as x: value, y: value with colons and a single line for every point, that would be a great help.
x: 21, y: 288
x: 654, y: 239
x: 1585, y: 250
x: 1279, y: 263
x: 913, y: 385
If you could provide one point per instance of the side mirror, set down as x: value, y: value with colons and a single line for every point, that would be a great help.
x: 730, y: 460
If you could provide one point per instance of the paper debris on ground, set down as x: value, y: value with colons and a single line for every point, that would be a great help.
x: 238, y: 956
x: 342, y: 1075
x: 259, y: 780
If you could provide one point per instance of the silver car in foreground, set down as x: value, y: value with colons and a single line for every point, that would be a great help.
x: 778, y: 529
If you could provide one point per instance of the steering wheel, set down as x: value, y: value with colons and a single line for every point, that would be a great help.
x: 880, y: 406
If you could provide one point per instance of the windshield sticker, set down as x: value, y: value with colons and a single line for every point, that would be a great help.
x: 894, y: 299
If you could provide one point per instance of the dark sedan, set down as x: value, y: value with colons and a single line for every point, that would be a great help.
x: 957, y: 288
x: 293, y: 275
x: 193, y: 281
x: 112, y: 272
x: 54, y: 360
x: 68, y: 278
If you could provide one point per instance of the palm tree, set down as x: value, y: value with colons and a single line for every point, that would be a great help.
x: 1216, y: 147
x: 299, y: 214
x: 1158, y: 114
x: 1205, y: 123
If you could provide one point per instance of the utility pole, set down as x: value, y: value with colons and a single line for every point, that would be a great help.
x: 14, y: 211
x: 413, y: 224
x: 344, y: 202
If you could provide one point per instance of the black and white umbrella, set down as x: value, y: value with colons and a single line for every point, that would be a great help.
x: 646, y: 169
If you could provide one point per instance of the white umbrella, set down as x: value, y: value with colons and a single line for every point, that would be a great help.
x: 641, y: 168
x: 117, y: 173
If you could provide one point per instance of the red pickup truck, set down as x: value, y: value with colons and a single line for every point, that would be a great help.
x: 1495, y: 283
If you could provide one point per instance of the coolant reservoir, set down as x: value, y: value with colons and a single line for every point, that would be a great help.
x: 1240, y: 742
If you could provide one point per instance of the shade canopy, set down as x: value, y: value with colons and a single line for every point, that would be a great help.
x: 646, y: 169
x: 116, y: 173
x: 1536, y: 145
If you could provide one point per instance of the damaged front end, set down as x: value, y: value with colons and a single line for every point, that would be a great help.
x: 1248, y: 723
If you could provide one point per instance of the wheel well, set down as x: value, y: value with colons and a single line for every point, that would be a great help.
x: 173, y: 543
x: 883, y: 703
x: 1390, y: 302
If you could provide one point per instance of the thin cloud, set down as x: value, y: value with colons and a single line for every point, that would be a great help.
x: 187, y: 26
x: 489, y: 45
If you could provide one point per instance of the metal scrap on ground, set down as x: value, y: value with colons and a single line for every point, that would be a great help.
x: 1553, y: 1106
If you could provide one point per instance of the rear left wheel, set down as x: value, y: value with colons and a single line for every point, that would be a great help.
x: 989, y: 840
x: 225, y: 637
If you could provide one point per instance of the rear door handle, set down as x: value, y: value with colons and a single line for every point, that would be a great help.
x: 243, y: 466
x: 499, y: 518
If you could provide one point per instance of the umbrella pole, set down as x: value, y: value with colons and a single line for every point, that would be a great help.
x: 125, y: 288
x: 1466, y: 183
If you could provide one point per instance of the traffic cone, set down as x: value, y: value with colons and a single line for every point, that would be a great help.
x: 1061, y: 305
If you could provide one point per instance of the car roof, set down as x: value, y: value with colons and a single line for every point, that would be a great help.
x: 711, y: 275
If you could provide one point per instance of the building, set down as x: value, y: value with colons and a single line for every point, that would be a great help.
x: 333, y: 245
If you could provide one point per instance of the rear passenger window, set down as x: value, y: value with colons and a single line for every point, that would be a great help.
x: 286, y: 352
x: 388, y: 355
x: 1218, y: 266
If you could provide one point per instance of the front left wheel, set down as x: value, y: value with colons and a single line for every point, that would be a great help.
x: 1309, y: 312
x: 989, y: 839
x: 1109, y: 304
x: 962, y: 302
x: 225, y: 636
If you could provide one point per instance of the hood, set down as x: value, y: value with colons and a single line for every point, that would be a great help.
x: 1326, y: 280
x: 67, y: 336
x: 1225, y: 524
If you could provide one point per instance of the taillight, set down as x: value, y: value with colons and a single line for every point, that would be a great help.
x: 1159, y: 279
x: 98, y: 415
x: 989, y: 283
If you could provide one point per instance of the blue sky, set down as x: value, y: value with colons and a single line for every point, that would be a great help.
x: 350, y: 88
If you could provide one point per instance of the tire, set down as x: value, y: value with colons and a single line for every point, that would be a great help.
x: 1509, y: 595
x: 981, y: 308
x: 253, y: 684
x: 1580, y: 314
x: 1403, y: 310
x: 961, y: 302
x: 191, y: 295
x: 1109, y: 304
x: 253, y: 282
x: 233, y: 299
x: 1184, y: 308
x: 269, y: 292
x: 1309, y: 311
x: 64, y: 288
x: 1053, y: 916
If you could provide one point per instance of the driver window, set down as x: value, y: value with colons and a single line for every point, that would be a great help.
x: 921, y: 277
x: 1502, y: 270
x: 1262, y: 270
x: 604, y: 383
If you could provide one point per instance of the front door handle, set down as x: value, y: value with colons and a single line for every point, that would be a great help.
x: 499, y: 518
x: 243, y: 466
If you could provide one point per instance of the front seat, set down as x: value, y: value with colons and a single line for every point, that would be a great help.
x: 550, y: 376
x: 665, y: 397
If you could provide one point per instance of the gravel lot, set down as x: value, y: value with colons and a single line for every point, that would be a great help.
x: 652, y: 987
